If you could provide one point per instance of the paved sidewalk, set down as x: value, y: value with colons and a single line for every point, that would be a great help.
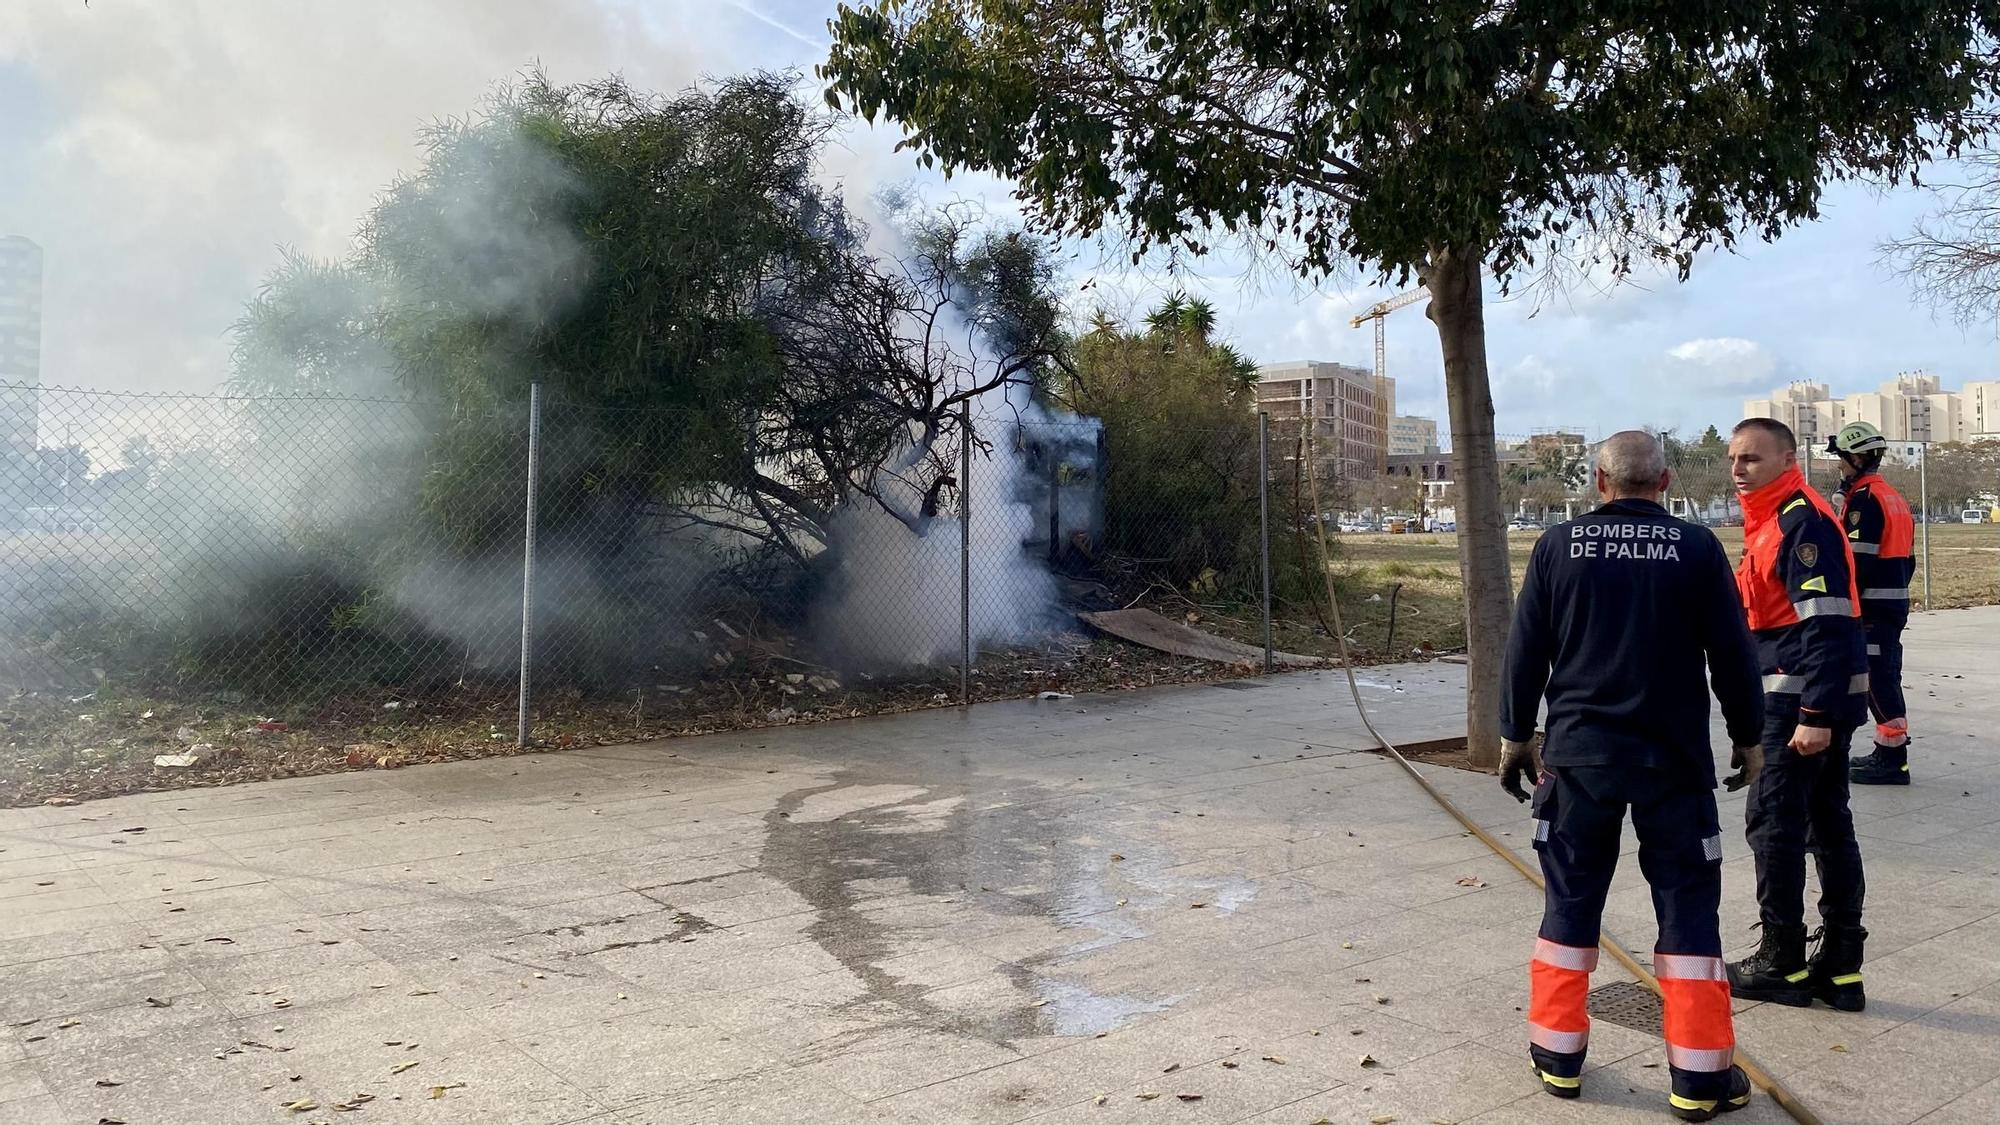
x: 1192, y: 905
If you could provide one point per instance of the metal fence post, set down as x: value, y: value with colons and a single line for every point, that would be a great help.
x: 1924, y: 505
x: 965, y: 554
x: 528, y: 559
x: 1264, y: 522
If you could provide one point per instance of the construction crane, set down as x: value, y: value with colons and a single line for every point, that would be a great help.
x: 1379, y: 313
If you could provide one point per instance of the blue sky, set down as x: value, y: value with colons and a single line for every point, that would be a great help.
x: 162, y: 154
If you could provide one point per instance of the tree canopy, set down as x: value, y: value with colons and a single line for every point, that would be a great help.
x: 1447, y: 139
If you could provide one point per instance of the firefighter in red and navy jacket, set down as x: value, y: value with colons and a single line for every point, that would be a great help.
x: 1881, y: 533
x: 1621, y: 612
x: 1796, y: 578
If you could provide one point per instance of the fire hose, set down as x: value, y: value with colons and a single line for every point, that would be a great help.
x: 1762, y: 1078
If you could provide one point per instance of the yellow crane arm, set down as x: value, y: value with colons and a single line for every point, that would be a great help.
x: 1384, y: 308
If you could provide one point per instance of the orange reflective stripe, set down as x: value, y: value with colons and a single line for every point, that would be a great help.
x: 1895, y: 732
x: 1558, y: 1007
x: 1698, y: 1026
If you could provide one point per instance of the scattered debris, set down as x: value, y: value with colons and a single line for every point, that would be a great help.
x: 303, y: 1105
x: 61, y: 802
x: 156, y: 1002
x: 1368, y: 1061
x: 1188, y: 1097
x: 438, y: 1091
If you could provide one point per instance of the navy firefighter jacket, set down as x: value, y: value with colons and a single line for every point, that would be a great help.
x: 1620, y: 612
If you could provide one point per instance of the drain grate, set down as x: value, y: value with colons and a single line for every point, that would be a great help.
x: 1240, y: 685
x: 1628, y: 1003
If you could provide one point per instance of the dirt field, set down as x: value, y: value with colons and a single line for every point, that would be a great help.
x: 1964, y: 571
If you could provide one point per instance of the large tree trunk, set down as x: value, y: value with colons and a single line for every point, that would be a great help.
x: 1457, y: 308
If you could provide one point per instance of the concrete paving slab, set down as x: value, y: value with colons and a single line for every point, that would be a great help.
x: 992, y: 915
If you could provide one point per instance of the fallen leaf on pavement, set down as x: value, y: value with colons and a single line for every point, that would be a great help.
x: 1842, y: 1048
x: 401, y: 1067
x: 438, y: 1091
x: 1471, y: 881
x: 67, y: 1024
x: 159, y: 1003
x: 1382, y: 1119
x: 1100, y: 1099
x: 108, y: 1083
x: 1188, y: 1097
x: 1170, y: 1069
x: 1369, y: 1060
x: 303, y: 1105
x: 1274, y: 1059
x: 1147, y: 1095
x: 1230, y: 1064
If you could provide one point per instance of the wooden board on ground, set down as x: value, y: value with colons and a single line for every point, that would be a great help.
x: 1144, y: 627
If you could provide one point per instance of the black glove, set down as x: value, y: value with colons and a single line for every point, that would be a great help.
x: 1749, y: 762
x: 1518, y: 759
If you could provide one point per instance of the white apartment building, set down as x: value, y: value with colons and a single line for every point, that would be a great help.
x: 1350, y: 417
x: 1410, y: 435
x: 1910, y: 409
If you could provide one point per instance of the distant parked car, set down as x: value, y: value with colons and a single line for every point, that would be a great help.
x: 1972, y: 515
x: 1525, y: 524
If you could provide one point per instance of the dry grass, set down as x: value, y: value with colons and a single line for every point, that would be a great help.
x: 1964, y: 571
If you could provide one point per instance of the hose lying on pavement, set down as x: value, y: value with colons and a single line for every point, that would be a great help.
x: 1763, y: 1079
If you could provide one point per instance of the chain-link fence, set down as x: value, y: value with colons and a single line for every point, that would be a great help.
x: 286, y: 548
x: 273, y: 550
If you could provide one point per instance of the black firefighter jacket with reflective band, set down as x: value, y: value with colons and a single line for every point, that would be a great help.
x: 1882, y: 534
x: 1619, y: 612
x: 1797, y: 581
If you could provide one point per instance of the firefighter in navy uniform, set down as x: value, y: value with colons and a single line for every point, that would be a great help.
x: 1620, y: 612
x: 1797, y: 583
x: 1881, y: 533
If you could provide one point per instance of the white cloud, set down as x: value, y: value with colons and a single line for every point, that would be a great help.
x: 176, y: 146
x: 1721, y: 364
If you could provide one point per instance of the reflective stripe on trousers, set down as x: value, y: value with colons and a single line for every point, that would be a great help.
x: 1796, y: 685
x: 1558, y: 997
x: 1699, y: 1034
x: 1883, y: 594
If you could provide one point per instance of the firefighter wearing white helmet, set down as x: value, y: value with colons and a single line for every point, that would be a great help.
x: 1882, y: 533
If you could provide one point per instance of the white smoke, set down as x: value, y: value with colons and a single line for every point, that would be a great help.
x: 895, y: 601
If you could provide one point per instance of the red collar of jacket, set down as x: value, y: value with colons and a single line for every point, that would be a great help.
x: 1761, y: 506
x: 1863, y: 481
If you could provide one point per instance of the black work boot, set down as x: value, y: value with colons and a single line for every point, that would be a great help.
x: 1888, y: 765
x: 1777, y: 971
x: 1734, y: 1096
x: 1561, y: 1074
x: 1836, y: 968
